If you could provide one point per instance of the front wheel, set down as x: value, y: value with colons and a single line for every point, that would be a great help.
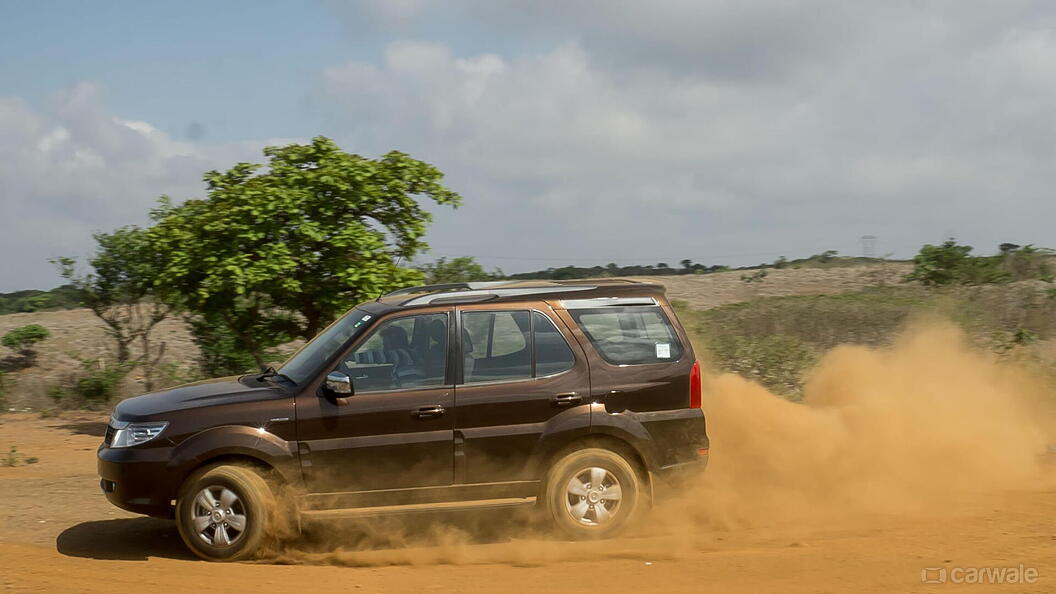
x: 592, y: 493
x: 223, y: 513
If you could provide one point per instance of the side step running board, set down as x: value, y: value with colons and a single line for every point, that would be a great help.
x: 415, y: 508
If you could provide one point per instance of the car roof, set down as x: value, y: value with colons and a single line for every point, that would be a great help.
x: 580, y: 291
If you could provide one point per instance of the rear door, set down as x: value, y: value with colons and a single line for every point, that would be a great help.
x: 640, y: 361
x: 640, y: 364
x: 519, y: 375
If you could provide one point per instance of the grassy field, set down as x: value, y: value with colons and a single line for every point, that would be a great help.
x: 775, y: 340
x: 771, y: 330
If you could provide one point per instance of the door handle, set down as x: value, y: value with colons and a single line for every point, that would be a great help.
x: 566, y: 399
x: 426, y: 412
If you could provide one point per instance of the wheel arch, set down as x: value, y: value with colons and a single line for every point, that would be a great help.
x: 238, y: 445
x: 607, y: 441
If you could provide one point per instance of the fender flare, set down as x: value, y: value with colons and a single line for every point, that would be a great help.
x: 236, y: 440
x: 570, y: 426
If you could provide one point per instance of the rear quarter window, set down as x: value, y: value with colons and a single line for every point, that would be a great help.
x: 633, y: 335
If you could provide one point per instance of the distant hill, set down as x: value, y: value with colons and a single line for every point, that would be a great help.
x: 31, y: 300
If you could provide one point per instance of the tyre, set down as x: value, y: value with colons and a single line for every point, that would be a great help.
x: 592, y: 493
x: 224, y: 513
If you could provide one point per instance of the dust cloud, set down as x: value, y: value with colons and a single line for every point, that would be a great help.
x: 915, y: 427
x: 910, y: 428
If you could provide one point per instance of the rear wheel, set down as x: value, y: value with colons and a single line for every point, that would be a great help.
x: 593, y: 493
x: 224, y: 513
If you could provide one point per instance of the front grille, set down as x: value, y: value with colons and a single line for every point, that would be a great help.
x: 108, y: 437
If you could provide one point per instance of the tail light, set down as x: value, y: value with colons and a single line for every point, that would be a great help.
x: 694, y: 386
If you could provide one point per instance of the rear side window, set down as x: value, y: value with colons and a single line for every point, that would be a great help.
x: 634, y: 335
x: 502, y: 346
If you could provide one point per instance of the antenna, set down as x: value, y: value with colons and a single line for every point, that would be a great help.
x: 394, y: 267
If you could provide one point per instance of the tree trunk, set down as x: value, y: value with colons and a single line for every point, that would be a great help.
x: 123, y: 352
x: 311, y: 317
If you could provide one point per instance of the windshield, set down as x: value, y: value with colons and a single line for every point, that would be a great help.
x: 303, y: 364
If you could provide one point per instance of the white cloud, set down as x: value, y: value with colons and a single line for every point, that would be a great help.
x: 598, y: 130
x: 73, y: 168
x: 706, y: 130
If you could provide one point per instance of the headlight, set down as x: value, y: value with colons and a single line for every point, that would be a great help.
x: 130, y: 434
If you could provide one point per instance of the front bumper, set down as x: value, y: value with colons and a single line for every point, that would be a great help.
x: 138, y: 480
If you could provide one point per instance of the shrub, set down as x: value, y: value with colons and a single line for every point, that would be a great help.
x: 776, y: 340
x: 756, y: 277
x: 1026, y: 263
x: 939, y: 264
x: 22, y: 339
x: 778, y: 362
x: 12, y: 458
x: 95, y: 383
x: 173, y: 374
x: 99, y: 382
x: 951, y: 263
x: 4, y: 384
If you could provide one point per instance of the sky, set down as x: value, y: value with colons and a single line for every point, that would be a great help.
x: 578, y: 132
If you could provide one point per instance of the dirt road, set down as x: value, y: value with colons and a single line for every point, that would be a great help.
x: 57, y: 533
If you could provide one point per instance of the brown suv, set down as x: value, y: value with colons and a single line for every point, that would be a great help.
x: 578, y: 398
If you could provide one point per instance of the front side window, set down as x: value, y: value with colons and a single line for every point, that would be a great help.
x: 405, y: 352
x: 633, y: 335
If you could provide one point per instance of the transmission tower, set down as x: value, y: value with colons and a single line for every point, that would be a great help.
x: 868, y: 246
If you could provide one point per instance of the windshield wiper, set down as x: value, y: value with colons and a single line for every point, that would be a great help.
x: 270, y: 373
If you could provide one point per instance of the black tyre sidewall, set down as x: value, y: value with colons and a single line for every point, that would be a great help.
x: 574, y: 462
x: 256, y: 497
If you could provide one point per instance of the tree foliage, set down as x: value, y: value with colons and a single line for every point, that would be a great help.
x: 952, y: 263
x: 220, y: 353
x: 278, y: 250
x: 120, y: 292
x: 457, y: 270
x: 24, y: 338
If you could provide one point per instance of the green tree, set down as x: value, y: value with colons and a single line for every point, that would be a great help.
x: 939, y: 264
x: 826, y: 256
x: 219, y: 351
x: 119, y: 290
x: 952, y: 263
x: 23, y: 339
x: 277, y: 251
x: 457, y: 270
x: 1026, y: 262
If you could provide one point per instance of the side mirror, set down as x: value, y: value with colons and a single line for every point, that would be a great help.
x: 338, y: 384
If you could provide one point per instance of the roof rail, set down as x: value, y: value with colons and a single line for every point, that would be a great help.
x: 489, y: 293
x: 445, y: 287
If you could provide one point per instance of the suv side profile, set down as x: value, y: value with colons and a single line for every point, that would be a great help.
x: 579, y: 398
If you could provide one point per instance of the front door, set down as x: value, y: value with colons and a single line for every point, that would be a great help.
x: 519, y: 373
x: 396, y: 430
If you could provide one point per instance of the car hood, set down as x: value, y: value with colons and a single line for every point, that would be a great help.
x: 201, y: 394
